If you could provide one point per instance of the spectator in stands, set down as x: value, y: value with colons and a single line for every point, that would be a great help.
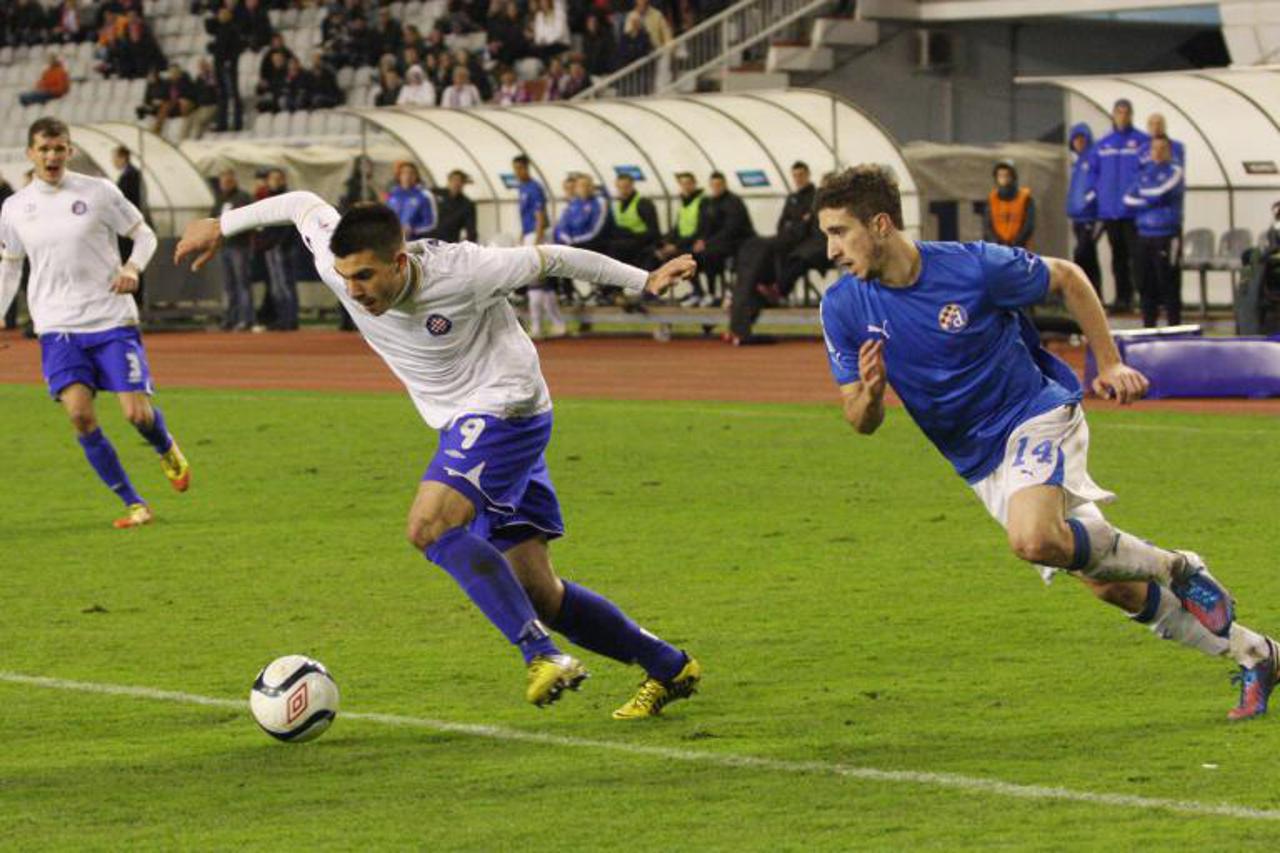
x: 276, y: 244
x: 457, y: 212
x: 111, y: 31
x: 138, y: 52
x: 413, y: 203
x: 225, y: 49
x: 1082, y: 203
x: 68, y: 27
x: 462, y: 93
x: 576, y: 81
x: 1118, y: 163
x: 417, y: 90
x: 689, y: 227
x: 177, y: 97
x: 461, y: 18
x: 634, y: 44
x: 361, y: 44
x: 550, y: 28
x: 390, y: 31
x: 268, y: 64
x: 53, y: 84
x: 431, y: 45
x: 798, y: 245
x: 299, y: 88
x: 388, y: 88
x: 655, y: 24
x: 254, y: 23
x: 204, y: 88
x: 1156, y: 197
x: 599, y: 47
x: 325, y: 91
x: 507, y: 40
x: 236, y: 259
x: 635, y: 236
x: 553, y: 82
x: 728, y: 226
x: 29, y: 22
x: 272, y: 87
x: 511, y: 91
x: 1011, y: 211
x: 440, y: 71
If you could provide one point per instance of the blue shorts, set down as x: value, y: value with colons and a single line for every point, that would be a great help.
x: 113, y: 360
x: 499, y: 465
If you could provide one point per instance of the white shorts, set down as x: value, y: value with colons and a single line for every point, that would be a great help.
x: 1048, y: 450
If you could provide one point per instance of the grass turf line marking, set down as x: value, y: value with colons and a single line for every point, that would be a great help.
x: 954, y: 781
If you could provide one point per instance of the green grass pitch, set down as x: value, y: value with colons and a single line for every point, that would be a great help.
x: 853, y: 606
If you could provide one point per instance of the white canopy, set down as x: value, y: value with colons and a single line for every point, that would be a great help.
x: 752, y: 138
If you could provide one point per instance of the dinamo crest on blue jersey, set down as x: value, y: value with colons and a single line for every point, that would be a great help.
x: 952, y: 318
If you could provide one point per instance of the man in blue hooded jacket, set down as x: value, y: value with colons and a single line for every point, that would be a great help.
x: 1082, y: 203
x: 1156, y: 197
x: 1118, y: 161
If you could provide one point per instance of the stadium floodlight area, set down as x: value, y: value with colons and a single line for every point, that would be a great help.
x: 1229, y: 122
x: 753, y: 138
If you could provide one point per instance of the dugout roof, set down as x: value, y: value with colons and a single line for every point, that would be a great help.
x: 752, y: 137
x: 1228, y: 119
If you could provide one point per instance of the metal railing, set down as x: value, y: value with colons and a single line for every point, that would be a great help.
x: 720, y: 41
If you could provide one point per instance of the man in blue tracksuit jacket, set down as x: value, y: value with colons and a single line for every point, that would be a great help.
x: 1118, y: 162
x: 1082, y: 203
x: 413, y: 203
x: 1156, y: 198
x: 587, y: 222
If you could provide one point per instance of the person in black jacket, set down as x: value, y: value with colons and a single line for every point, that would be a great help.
x: 728, y: 227
x: 10, y: 319
x: 799, y: 245
x: 236, y: 258
x: 225, y: 49
x: 456, y: 213
x: 130, y: 185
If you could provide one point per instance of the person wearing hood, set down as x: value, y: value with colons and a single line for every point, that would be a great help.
x: 1119, y: 157
x: 417, y: 90
x: 1011, y: 211
x: 1082, y: 203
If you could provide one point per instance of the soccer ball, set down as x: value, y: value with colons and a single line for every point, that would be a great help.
x: 294, y: 699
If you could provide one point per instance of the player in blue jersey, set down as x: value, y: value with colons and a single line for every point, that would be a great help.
x: 941, y: 323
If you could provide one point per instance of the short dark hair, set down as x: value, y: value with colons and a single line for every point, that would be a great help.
x: 46, y: 126
x: 522, y: 159
x: 689, y: 175
x: 122, y: 151
x: 799, y: 164
x: 864, y: 191
x: 368, y: 226
x: 717, y: 174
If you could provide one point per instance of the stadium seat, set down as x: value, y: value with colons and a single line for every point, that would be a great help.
x: 261, y: 127
x: 346, y: 78
x: 279, y: 125
x: 363, y: 76
x: 1197, y: 254
x: 1234, y: 243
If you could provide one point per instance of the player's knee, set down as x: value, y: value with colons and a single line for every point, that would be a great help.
x: 139, y: 416
x: 83, y: 422
x: 1035, y: 546
x: 424, y: 531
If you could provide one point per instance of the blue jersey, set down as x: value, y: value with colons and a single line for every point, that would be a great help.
x: 532, y: 199
x: 965, y: 361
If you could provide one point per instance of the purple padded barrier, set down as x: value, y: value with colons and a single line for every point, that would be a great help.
x: 1207, y: 367
x: 1124, y: 337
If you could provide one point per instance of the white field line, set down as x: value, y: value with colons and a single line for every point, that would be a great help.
x: 952, y: 781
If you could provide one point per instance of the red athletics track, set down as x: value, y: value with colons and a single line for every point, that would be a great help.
x: 632, y: 368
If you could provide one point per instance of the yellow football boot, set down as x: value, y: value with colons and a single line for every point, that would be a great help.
x: 135, y: 515
x: 551, y: 675
x: 654, y: 695
x: 176, y: 468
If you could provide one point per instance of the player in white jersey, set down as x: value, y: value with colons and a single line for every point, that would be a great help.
x: 79, y: 296
x: 485, y: 511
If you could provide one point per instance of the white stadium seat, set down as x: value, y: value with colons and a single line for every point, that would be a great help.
x: 280, y: 125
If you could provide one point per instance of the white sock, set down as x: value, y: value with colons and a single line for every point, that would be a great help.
x: 1247, y: 647
x: 1167, y: 620
x: 1108, y: 554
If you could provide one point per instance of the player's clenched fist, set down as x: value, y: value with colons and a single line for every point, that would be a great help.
x: 1121, y: 382
x: 871, y: 367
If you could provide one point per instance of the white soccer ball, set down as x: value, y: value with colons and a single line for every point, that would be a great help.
x: 294, y: 699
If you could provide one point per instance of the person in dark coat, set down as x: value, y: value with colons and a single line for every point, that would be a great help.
x: 728, y: 227
x: 457, y: 213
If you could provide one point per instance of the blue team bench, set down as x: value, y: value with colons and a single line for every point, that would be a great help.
x: 1181, y: 362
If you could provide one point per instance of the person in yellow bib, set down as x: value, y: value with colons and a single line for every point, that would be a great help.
x: 636, y: 233
x: 689, y: 226
x: 1011, y: 211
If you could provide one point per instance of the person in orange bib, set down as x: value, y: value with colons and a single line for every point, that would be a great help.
x: 1011, y: 211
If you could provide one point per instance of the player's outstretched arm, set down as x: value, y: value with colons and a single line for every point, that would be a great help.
x: 568, y: 262
x: 201, y: 238
x: 864, y: 399
x: 1115, y: 379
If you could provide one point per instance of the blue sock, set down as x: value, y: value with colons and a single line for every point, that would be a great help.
x: 157, y: 433
x: 102, y: 456
x: 488, y: 580
x: 594, y: 622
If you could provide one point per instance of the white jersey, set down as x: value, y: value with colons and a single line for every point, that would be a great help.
x: 68, y: 231
x: 455, y: 341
